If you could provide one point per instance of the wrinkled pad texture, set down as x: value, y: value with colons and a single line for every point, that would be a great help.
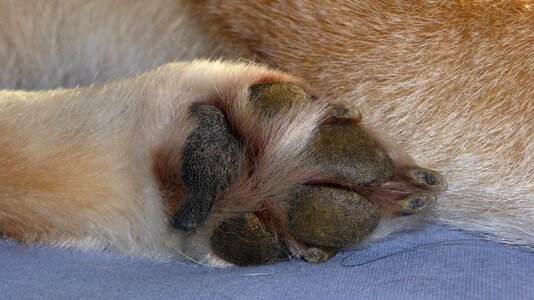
x: 466, y: 267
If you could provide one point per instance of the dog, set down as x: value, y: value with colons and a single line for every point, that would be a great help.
x: 238, y: 163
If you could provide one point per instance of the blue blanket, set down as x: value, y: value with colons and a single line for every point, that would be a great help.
x: 434, y: 263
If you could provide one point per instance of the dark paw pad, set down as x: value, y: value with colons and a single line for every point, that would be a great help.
x: 209, y: 161
x: 330, y: 217
x: 245, y: 240
x: 271, y: 98
x: 348, y: 153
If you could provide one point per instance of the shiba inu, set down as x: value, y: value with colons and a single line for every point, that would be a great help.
x: 236, y: 162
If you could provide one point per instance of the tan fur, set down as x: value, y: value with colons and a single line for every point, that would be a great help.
x: 450, y: 81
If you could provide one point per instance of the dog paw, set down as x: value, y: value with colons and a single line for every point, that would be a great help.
x: 270, y: 172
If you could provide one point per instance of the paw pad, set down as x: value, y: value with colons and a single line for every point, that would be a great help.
x: 209, y: 160
x: 330, y: 217
x: 245, y: 240
x: 348, y: 153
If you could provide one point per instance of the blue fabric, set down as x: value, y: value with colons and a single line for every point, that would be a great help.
x: 464, y: 267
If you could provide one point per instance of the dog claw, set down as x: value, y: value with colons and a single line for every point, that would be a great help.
x: 428, y: 179
x: 318, y: 255
x: 416, y: 203
x: 346, y: 112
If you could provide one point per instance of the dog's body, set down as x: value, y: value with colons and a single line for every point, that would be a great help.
x: 450, y: 82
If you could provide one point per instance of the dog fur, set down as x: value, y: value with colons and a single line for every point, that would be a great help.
x: 449, y: 81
